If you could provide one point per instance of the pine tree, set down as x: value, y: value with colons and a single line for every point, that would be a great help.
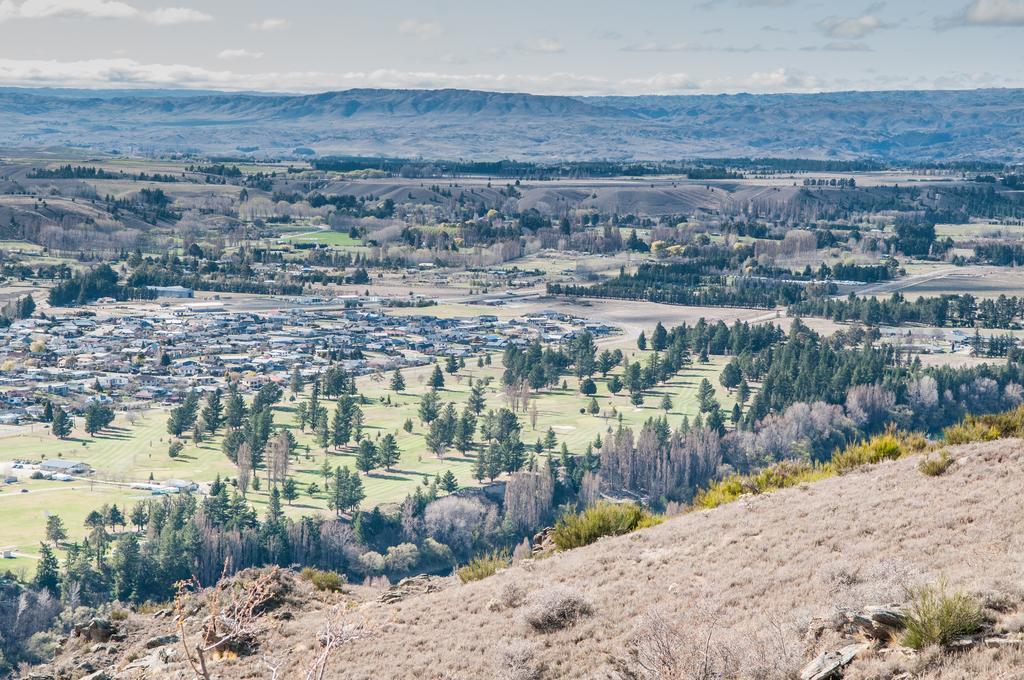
x: 55, y: 531
x: 61, y: 425
x: 388, y: 452
x: 550, y: 439
x: 430, y: 407
x: 366, y: 457
x: 436, y: 380
x: 47, y: 571
x: 731, y: 375
x: 296, y: 383
x: 641, y: 342
x: 705, y: 395
x: 397, y: 381
x: 448, y: 482
x: 451, y: 364
x: 289, y: 490
x: 477, y: 401
x: 213, y: 412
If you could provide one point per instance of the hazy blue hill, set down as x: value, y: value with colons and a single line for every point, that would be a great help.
x: 920, y: 125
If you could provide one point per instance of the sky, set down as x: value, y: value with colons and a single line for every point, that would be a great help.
x: 569, y: 47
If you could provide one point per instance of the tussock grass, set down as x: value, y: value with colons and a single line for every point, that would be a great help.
x: 933, y: 467
x: 604, y: 519
x: 937, y: 617
x: 556, y: 608
x: 484, y: 566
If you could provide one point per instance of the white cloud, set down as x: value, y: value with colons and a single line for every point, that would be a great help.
x: 241, y: 53
x: 172, y: 16
x: 97, y: 9
x: 545, y: 45
x: 45, y: 9
x: 986, y: 13
x: 270, y: 24
x: 852, y: 28
x: 421, y: 29
x: 127, y: 73
x: 691, y: 47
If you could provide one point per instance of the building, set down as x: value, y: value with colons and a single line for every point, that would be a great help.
x: 172, y: 291
x: 70, y: 467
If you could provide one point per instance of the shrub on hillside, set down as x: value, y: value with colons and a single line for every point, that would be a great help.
x: 933, y: 467
x: 483, y: 566
x: 779, y: 476
x: 321, y: 579
x: 604, y: 519
x: 888, y: 446
x: 986, y: 428
x: 937, y: 617
x: 556, y: 608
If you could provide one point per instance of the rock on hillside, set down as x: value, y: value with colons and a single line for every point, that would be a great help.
x: 757, y: 588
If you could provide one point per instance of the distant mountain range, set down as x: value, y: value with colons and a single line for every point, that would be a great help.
x: 450, y: 124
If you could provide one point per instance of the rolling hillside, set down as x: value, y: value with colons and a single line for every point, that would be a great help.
x: 924, y: 125
x: 753, y: 589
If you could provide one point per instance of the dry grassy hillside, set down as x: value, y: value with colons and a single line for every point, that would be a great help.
x: 754, y: 586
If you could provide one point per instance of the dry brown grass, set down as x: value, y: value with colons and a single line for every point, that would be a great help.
x: 744, y: 581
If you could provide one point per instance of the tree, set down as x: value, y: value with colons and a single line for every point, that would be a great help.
x: 430, y: 407
x: 61, y: 425
x: 341, y: 425
x: 289, y: 490
x: 615, y: 384
x: 659, y: 339
x: 435, y: 439
x: 476, y: 400
x: 139, y: 516
x: 666, y: 404
x: 296, y: 383
x: 743, y: 392
x: 731, y: 375
x: 243, y: 459
x: 448, y: 482
x: 436, y: 380
x: 47, y: 571
x: 175, y: 448
x: 235, y: 411
x: 388, y: 453
x: 397, y: 381
x: 588, y: 387
x: 55, y: 531
x: 451, y: 364
x: 97, y: 417
x: 213, y: 412
x: 641, y: 342
x: 705, y: 395
x: 366, y: 456
x: 550, y: 440
x: 593, y: 408
x: 125, y: 567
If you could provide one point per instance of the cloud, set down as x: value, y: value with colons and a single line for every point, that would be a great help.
x: 172, y: 16
x: 852, y: 28
x: 986, y: 13
x: 544, y: 45
x: 423, y: 30
x: 239, y: 54
x: 690, y: 47
x: 97, y: 9
x: 124, y: 73
x: 271, y: 24
x: 45, y: 9
x: 838, y: 47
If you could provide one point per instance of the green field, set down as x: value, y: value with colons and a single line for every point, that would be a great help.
x: 133, y: 451
x: 327, y: 238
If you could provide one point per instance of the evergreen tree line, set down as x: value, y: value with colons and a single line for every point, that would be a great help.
x: 965, y: 311
x: 89, y: 286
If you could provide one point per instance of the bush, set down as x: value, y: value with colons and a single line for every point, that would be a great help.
x: 604, y: 519
x: 483, y: 566
x: 779, y: 476
x: 888, y: 446
x: 937, y: 617
x: 933, y: 467
x: 556, y: 608
x: 330, y: 581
